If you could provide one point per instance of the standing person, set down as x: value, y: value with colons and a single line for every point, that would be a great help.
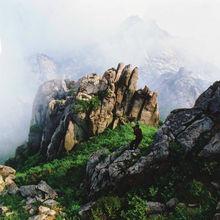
x: 138, y: 137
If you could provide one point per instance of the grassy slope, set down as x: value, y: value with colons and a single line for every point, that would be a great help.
x: 67, y: 174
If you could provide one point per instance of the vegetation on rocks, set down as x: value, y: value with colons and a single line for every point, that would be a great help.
x: 67, y: 176
x: 86, y: 105
x: 67, y: 173
x: 174, y: 173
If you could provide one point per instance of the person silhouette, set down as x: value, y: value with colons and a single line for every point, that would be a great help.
x: 138, y: 137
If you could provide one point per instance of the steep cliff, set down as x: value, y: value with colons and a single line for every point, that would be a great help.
x: 67, y: 112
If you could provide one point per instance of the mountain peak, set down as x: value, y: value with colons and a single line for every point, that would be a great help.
x: 143, y: 27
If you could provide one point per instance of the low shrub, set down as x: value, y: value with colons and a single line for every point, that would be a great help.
x: 86, y: 105
x: 108, y: 207
x: 136, y: 208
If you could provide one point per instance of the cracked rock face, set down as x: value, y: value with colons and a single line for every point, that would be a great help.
x: 67, y: 112
x: 196, y: 131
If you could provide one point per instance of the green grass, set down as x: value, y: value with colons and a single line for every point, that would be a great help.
x: 15, y: 205
x: 66, y: 174
x: 86, y: 105
x: 187, y: 179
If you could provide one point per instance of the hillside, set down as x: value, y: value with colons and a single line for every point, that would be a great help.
x: 173, y: 174
x: 67, y: 176
x: 67, y: 173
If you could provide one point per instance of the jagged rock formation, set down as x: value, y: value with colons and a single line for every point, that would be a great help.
x: 67, y: 112
x: 194, y: 132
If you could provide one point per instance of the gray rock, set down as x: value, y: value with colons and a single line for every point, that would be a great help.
x: 218, y: 207
x: 192, y: 205
x: 85, y: 210
x: 12, y: 189
x: 47, y: 190
x: 50, y: 203
x: 28, y: 191
x: 216, y: 185
x: 30, y: 200
x: 38, y: 192
x: 171, y: 204
x: 155, y: 208
x: 212, y: 148
x: 106, y: 173
x: 216, y: 216
x: 191, y: 134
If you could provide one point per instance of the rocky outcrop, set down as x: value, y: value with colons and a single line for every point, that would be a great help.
x: 42, y: 191
x: 152, y: 208
x: 39, y: 200
x: 7, y: 184
x: 67, y: 112
x: 43, y: 195
x: 155, y: 208
x: 193, y: 132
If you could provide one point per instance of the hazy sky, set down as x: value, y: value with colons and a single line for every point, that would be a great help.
x: 51, y: 24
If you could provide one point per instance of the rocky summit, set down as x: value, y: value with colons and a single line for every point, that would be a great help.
x: 66, y: 112
x: 192, y: 134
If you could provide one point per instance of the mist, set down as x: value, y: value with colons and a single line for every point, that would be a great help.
x: 63, y: 28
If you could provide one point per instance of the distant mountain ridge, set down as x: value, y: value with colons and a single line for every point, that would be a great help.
x: 177, y: 89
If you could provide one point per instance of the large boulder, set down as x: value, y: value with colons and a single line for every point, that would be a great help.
x: 40, y: 191
x: 155, y: 208
x: 7, y: 176
x: 194, y: 132
x: 5, y: 171
x: 67, y: 112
